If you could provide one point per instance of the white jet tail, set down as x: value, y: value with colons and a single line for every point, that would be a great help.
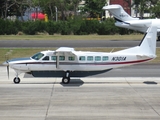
x: 147, y: 46
x: 118, y: 12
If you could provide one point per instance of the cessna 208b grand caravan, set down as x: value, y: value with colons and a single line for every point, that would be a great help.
x: 124, y: 20
x: 66, y: 62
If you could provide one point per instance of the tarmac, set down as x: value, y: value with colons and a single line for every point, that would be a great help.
x: 68, y: 43
x: 105, y: 98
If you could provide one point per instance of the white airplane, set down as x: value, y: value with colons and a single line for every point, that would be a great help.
x: 66, y: 62
x: 124, y: 20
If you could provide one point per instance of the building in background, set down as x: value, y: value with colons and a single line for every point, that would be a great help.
x: 126, y: 4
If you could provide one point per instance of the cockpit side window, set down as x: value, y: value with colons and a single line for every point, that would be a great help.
x: 46, y: 58
x: 37, y: 56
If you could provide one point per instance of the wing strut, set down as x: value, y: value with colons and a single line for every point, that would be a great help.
x: 57, y: 61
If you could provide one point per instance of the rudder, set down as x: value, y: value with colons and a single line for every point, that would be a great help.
x: 148, y: 44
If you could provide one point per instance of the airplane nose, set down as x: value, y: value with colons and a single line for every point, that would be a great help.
x: 5, y: 63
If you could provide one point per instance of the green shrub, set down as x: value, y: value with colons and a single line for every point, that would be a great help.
x: 10, y: 27
x: 52, y: 27
x: 76, y: 26
x: 2, y: 27
x: 32, y: 27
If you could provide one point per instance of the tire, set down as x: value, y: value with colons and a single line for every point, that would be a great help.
x: 65, y: 80
x: 16, y: 80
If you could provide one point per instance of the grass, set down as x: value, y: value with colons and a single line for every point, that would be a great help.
x: 71, y: 37
x: 9, y: 53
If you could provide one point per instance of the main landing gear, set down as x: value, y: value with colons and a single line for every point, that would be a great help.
x: 66, y: 78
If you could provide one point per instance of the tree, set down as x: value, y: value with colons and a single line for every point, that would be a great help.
x: 21, y: 6
x: 75, y: 4
x: 156, y: 9
x: 50, y: 5
x: 63, y: 6
x: 8, y: 4
x: 47, y: 6
x: 141, y: 6
x: 94, y: 7
x: 12, y: 6
x: 2, y: 8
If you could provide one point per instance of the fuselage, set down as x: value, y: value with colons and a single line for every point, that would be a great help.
x: 139, y: 25
x: 76, y: 61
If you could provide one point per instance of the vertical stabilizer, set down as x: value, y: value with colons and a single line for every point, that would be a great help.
x: 148, y: 44
x: 118, y: 12
x: 147, y: 47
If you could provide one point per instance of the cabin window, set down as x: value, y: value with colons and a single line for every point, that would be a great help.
x: 62, y: 58
x: 54, y: 58
x: 90, y: 58
x: 82, y: 58
x: 98, y: 58
x: 71, y: 58
x: 37, y: 56
x: 46, y: 58
x: 105, y: 58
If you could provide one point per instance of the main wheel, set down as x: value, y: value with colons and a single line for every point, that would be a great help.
x: 16, y: 80
x: 65, y: 80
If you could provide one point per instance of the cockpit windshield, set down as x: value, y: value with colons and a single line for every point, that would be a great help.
x: 37, y: 56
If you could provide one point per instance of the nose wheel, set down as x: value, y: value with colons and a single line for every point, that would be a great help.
x: 16, y: 80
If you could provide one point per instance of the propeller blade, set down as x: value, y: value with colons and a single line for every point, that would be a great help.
x: 8, y: 71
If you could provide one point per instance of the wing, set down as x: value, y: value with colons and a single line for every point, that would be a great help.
x: 65, y: 51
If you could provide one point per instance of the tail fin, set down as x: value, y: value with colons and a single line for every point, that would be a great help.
x: 147, y: 46
x: 118, y: 12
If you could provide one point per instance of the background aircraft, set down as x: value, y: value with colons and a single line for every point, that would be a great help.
x: 66, y: 62
x: 124, y: 20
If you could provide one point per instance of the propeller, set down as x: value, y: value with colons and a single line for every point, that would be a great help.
x: 6, y: 63
x: 7, y: 69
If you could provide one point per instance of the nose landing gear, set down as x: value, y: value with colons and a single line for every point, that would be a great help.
x: 16, y: 80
